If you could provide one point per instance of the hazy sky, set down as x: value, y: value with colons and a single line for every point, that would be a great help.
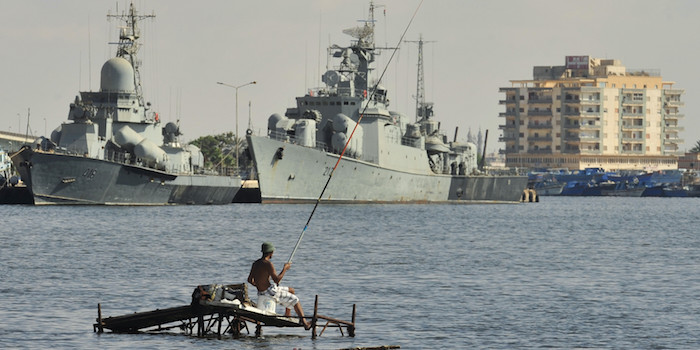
x: 53, y: 49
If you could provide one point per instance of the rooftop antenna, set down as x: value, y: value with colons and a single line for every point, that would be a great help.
x: 424, y: 110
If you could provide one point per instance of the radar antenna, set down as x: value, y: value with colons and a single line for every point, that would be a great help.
x: 364, y: 34
x: 424, y: 110
x: 128, y: 45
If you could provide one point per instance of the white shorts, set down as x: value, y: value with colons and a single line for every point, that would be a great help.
x: 281, y: 295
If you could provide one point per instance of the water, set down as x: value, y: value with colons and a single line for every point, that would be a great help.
x: 611, y: 273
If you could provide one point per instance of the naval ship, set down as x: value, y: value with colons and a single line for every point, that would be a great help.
x: 115, y: 151
x: 388, y: 159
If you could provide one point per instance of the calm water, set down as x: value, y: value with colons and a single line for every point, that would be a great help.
x: 611, y: 273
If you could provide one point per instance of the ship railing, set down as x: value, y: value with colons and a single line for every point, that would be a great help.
x: 281, y: 136
x: 288, y: 138
x: 410, y: 141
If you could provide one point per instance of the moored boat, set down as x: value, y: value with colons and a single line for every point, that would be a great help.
x: 388, y: 158
x: 115, y: 151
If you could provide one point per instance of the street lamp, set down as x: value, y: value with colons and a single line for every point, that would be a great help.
x: 236, y: 87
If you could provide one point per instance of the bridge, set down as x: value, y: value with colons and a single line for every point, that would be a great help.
x: 12, y: 142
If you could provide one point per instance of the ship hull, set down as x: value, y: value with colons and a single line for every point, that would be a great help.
x: 302, y: 172
x: 67, y: 179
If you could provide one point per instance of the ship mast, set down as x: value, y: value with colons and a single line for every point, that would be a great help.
x: 128, y: 45
x: 424, y: 110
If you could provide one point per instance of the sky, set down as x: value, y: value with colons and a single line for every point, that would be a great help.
x: 51, y: 50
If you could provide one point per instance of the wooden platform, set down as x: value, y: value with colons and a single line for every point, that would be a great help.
x: 213, y: 317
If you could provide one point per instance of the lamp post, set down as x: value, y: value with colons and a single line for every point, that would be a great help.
x: 236, y: 87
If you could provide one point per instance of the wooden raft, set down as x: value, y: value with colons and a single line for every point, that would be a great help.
x: 215, y: 318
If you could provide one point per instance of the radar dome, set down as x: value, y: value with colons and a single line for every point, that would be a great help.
x: 117, y: 75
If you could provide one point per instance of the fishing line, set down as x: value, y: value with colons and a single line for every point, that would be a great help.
x: 330, y: 176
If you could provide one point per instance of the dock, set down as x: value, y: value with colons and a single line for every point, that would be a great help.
x: 216, y: 312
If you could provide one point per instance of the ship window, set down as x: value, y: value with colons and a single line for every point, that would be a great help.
x: 345, y: 103
x: 352, y: 103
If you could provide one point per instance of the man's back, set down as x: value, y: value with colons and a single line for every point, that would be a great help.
x: 260, y: 273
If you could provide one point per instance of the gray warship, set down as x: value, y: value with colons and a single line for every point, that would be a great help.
x: 115, y: 151
x: 389, y: 159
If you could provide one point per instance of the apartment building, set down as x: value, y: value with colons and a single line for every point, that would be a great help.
x: 592, y: 112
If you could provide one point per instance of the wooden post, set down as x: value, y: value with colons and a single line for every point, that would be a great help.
x: 200, y: 325
x: 258, y: 330
x: 99, y: 319
x: 236, y: 327
x: 218, y: 329
x: 314, y: 319
x: 351, y: 329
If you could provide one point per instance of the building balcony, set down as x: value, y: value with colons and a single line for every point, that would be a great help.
x: 587, y: 126
x: 540, y: 100
x: 506, y: 126
x: 673, y: 103
x: 632, y: 102
x: 507, y: 114
x: 506, y: 138
x: 572, y: 126
x: 631, y: 151
x: 590, y: 112
x: 590, y: 101
x: 539, y: 113
x: 508, y: 101
x: 539, y: 126
x: 571, y: 112
x: 674, y: 116
x: 571, y: 151
x: 632, y: 139
x: 673, y: 140
x: 631, y: 114
x: 540, y: 138
x: 572, y: 102
x: 572, y: 138
x: 632, y: 127
x: 540, y: 151
x: 674, y: 128
x: 589, y: 138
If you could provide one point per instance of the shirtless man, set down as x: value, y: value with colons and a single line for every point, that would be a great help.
x: 260, y: 274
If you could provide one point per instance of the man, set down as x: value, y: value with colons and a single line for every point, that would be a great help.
x: 260, y: 274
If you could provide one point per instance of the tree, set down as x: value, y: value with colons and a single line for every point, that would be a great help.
x: 213, y: 148
x: 696, y: 149
x: 220, y: 150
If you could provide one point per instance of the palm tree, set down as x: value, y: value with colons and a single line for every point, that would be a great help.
x: 696, y: 149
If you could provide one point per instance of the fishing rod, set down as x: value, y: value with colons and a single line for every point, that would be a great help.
x: 362, y: 114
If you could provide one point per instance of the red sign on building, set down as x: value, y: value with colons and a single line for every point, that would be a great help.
x: 576, y: 62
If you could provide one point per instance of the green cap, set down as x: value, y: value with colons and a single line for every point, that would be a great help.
x: 267, y: 247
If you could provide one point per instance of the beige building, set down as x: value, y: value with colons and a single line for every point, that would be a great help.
x: 592, y: 112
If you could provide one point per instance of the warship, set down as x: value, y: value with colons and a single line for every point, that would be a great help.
x: 115, y: 151
x: 388, y: 158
